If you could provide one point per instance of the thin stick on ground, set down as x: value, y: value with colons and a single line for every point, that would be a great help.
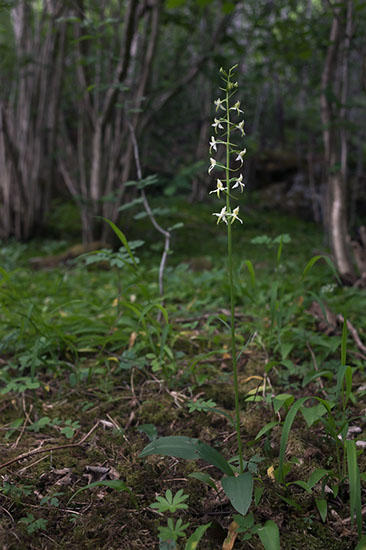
x: 27, y: 416
x: 49, y: 449
x: 353, y: 332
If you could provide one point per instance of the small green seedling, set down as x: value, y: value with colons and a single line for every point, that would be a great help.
x: 32, y: 524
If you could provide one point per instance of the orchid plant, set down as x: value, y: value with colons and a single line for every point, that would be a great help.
x: 236, y: 483
x: 228, y: 215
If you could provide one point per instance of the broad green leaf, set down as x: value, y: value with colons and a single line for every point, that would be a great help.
x: 354, y: 485
x: 266, y: 429
x: 244, y: 523
x: 176, y: 445
x: 316, y: 476
x: 239, y: 490
x: 270, y: 536
x: 301, y: 484
x: 189, y: 449
x: 322, y: 506
x: 286, y: 348
x: 282, y: 399
x: 210, y: 455
x: 194, y: 539
x: 312, y: 414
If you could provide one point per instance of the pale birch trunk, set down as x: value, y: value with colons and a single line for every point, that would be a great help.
x: 335, y: 140
x: 28, y: 120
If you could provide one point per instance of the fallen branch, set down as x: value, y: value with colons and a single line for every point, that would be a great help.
x: 353, y: 332
x: 49, y: 449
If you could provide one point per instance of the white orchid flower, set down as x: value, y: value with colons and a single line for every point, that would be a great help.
x: 234, y: 216
x: 213, y: 144
x: 236, y: 108
x: 219, y: 188
x: 218, y: 102
x: 240, y: 127
x: 221, y: 215
x: 240, y: 155
x: 239, y: 182
x: 212, y: 165
x: 217, y: 124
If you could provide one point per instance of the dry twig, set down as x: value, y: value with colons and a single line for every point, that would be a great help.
x: 49, y: 449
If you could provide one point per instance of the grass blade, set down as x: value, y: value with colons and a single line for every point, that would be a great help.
x: 354, y: 485
x: 285, y: 433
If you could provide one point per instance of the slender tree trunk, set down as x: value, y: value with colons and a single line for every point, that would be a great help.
x: 335, y: 140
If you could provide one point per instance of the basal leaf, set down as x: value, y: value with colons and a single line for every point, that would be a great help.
x: 239, y: 490
x: 270, y: 536
x: 177, y: 445
x: 321, y: 504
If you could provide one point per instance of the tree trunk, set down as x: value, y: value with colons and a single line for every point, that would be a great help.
x: 28, y: 123
x: 335, y: 140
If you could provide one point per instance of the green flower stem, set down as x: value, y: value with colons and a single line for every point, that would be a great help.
x: 231, y: 284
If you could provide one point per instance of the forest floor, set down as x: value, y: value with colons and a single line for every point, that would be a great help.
x: 88, y: 377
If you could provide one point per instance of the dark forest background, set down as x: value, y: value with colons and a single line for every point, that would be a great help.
x: 78, y: 76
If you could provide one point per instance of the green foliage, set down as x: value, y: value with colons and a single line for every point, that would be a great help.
x: 32, y: 524
x: 173, y: 530
x: 170, y: 503
x: 75, y: 309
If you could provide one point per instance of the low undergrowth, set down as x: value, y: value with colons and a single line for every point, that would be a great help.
x: 94, y: 366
